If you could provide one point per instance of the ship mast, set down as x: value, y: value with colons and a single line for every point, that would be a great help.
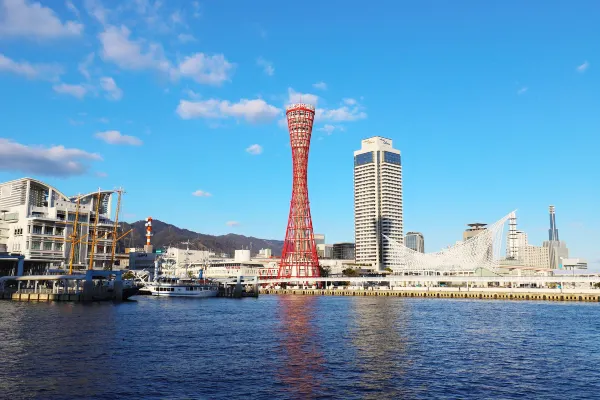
x: 74, y: 240
x: 115, y: 227
x: 95, y: 235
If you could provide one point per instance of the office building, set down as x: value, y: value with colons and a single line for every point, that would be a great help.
x: 415, y: 241
x: 319, y: 238
x: 343, y: 251
x: 377, y: 201
x: 325, y: 251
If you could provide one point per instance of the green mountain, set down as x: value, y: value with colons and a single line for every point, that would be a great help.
x: 169, y: 235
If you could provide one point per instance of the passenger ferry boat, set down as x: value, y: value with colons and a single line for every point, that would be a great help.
x: 178, y: 287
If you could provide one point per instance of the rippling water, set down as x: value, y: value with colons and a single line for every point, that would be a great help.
x: 300, y: 347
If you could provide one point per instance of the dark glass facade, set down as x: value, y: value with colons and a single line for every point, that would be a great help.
x: 364, y: 158
x: 391, y: 158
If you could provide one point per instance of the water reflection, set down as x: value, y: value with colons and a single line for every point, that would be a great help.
x: 54, y: 345
x: 377, y: 335
x: 302, y: 361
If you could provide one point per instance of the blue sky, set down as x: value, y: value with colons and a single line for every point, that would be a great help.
x: 494, y: 107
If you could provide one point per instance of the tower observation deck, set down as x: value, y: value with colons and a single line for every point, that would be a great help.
x: 299, y: 255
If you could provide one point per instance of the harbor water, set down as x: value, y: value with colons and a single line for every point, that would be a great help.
x: 300, y: 347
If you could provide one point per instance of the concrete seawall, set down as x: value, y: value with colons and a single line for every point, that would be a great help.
x: 41, y: 297
x: 487, y: 295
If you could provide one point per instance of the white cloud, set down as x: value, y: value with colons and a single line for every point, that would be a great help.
x: 212, y: 70
x: 177, y: 18
x: 32, y: 71
x: 113, y: 92
x: 186, y: 38
x: 522, y: 90
x: 340, y: 114
x: 115, y: 137
x: 191, y: 94
x: 350, y: 110
x: 267, y: 66
x: 320, y: 85
x: 251, y: 110
x: 52, y: 161
x: 96, y: 10
x: 83, y: 66
x: 196, y: 6
x: 255, y: 149
x: 201, y: 193
x: 232, y: 223
x: 75, y: 122
x: 103, y: 120
x: 101, y: 174
x: 583, y: 67
x: 329, y: 129
x: 297, y: 97
x: 78, y: 91
x: 71, y: 7
x: 31, y: 19
x: 118, y: 48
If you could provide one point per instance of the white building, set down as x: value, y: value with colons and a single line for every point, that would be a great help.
x: 415, y: 241
x: 534, y: 256
x: 36, y: 221
x: 377, y: 200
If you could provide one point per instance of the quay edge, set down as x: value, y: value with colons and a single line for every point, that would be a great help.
x: 531, y: 295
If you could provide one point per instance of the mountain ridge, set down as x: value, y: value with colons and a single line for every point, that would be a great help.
x: 166, y: 234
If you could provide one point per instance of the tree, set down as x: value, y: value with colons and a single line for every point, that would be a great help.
x: 128, y: 275
x: 350, y: 272
x: 324, y: 271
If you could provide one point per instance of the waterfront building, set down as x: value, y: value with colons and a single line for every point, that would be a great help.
x: 473, y: 229
x: 325, y: 251
x: 377, y: 201
x: 343, y: 251
x: 37, y: 220
x: 415, y: 241
x: 266, y: 253
x: 319, y: 238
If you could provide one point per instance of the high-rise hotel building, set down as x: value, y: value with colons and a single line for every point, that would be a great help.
x: 377, y: 200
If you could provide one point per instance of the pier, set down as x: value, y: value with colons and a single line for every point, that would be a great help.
x: 91, y: 286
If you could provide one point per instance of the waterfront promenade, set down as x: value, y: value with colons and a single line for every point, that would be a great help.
x: 452, y: 293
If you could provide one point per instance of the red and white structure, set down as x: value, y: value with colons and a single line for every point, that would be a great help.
x: 149, y: 234
x: 299, y: 255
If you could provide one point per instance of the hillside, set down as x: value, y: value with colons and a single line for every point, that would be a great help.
x: 167, y: 234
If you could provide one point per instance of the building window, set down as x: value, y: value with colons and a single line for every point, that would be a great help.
x: 58, y: 246
x: 37, y: 230
x: 48, y: 246
x: 49, y: 230
x: 391, y: 158
x: 60, y: 231
x: 364, y: 158
x: 36, y: 245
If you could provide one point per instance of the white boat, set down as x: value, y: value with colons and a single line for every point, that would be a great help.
x: 177, y: 287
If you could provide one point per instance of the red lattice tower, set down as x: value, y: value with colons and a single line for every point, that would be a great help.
x: 299, y: 255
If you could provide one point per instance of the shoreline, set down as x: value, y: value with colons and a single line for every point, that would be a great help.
x: 536, y: 294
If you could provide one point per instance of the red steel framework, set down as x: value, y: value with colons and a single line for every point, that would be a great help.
x: 299, y: 255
